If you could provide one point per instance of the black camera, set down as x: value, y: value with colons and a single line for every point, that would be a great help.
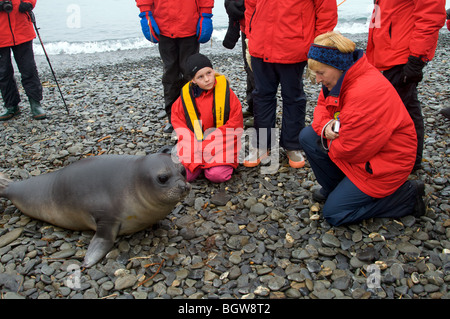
x: 6, y: 6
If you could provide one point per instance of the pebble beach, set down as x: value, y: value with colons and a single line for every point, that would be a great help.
x: 257, y: 236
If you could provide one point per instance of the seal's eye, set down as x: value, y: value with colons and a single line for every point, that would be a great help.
x: 163, y: 178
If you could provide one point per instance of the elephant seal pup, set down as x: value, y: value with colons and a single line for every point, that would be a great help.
x: 110, y: 194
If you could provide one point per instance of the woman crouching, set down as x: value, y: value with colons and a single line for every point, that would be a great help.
x: 362, y: 142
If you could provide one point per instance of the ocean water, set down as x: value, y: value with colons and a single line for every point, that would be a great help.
x: 92, y: 26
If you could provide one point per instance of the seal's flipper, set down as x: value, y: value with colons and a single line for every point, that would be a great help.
x: 102, y: 242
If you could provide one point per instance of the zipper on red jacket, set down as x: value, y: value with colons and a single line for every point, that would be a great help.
x: 250, y: 23
x: 10, y: 28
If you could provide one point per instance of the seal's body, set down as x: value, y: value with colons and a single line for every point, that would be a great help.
x: 110, y: 194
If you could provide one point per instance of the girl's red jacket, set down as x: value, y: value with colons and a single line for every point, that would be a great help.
x: 221, y: 147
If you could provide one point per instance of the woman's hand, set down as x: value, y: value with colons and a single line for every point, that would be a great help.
x: 329, y: 133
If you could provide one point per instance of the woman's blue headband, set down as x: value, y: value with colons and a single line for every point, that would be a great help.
x: 331, y: 56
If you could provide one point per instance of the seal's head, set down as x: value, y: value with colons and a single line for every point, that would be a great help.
x: 164, y: 179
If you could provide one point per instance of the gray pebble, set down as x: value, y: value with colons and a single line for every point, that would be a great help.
x: 257, y: 209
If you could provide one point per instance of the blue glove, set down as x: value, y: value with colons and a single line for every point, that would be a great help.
x: 204, y: 27
x: 149, y: 27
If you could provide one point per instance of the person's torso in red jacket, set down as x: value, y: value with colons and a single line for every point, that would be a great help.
x: 282, y: 31
x: 176, y: 18
x: 16, y: 27
x: 400, y: 28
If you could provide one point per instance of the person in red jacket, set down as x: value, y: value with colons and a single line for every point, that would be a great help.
x: 178, y: 26
x: 403, y: 37
x: 279, y: 34
x: 362, y: 142
x: 17, y: 35
x: 207, y: 119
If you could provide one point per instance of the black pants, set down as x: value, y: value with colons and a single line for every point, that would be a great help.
x: 250, y: 77
x: 268, y: 76
x: 408, y: 94
x: 24, y: 56
x: 174, y: 53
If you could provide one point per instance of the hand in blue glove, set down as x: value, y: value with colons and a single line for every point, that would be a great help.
x: 204, y: 27
x: 149, y: 27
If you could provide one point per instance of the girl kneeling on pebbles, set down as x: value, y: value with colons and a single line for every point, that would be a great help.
x: 362, y: 142
x: 207, y: 119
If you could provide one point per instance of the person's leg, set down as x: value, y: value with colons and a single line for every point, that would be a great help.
x: 408, y: 93
x: 24, y: 56
x: 219, y: 174
x: 264, y: 99
x: 174, y: 53
x: 250, y: 77
x: 328, y: 175
x: 171, y: 72
x: 410, y: 99
x: 294, y: 104
x: 347, y: 204
x: 8, y: 85
x: 445, y: 112
x: 187, y: 47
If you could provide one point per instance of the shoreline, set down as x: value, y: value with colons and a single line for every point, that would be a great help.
x: 64, y: 62
x: 267, y: 239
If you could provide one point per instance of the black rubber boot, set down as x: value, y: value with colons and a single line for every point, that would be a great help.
x: 37, y: 111
x: 10, y: 113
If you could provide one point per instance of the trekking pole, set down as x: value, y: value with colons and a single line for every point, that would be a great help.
x: 33, y: 20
